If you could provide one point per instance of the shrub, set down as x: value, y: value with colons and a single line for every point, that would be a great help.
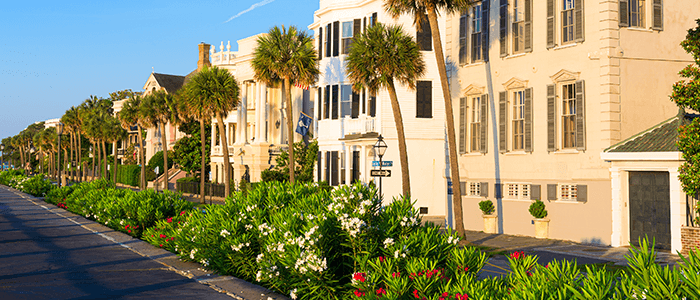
x: 157, y: 161
x: 486, y: 207
x: 537, y: 209
x: 188, y: 179
x: 129, y: 174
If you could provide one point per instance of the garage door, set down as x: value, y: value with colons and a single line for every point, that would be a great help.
x: 650, y: 208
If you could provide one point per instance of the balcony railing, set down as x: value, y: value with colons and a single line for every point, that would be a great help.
x: 335, y: 129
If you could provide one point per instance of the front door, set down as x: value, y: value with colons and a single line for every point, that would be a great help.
x: 650, y: 208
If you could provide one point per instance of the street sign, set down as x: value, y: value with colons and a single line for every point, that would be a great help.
x: 380, y: 173
x: 385, y: 163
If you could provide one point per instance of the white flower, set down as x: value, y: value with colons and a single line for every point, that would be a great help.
x: 192, y: 253
x: 292, y: 294
x: 205, y: 262
x: 388, y: 242
x: 225, y: 233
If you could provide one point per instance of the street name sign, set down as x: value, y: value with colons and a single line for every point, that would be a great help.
x: 380, y: 173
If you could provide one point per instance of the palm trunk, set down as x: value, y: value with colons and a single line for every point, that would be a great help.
x: 72, y: 151
x: 114, y: 172
x: 94, y: 155
x: 290, y: 130
x: 104, y: 159
x: 224, y: 146
x: 164, y: 141
x: 450, y: 120
x: 202, y: 168
x: 142, y: 157
x: 80, y: 157
x: 21, y: 160
x: 403, y: 154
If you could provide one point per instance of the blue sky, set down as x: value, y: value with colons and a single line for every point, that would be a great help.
x: 55, y: 54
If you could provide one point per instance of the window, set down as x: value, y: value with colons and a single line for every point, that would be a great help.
x: 518, y: 120
x: 424, y: 99
x: 474, y: 189
x: 327, y: 102
x: 568, y: 192
x: 327, y: 41
x: 568, y: 115
x: 347, y: 37
x: 463, y: 29
x: 232, y: 133
x: 345, y: 100
x: 567, y: 26
x: 516, y: 191
x: 518, y: 26
x: 476, y: 33
x: 475, y: 125
x: 424, y: 37
x: 334, y: 102
x: 320, y: 42
x: 636, y: 13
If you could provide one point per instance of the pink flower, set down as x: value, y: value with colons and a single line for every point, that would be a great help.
x: 359, y: 277
x: 415, y: 294
x: 170, y: 220
x: 163, y: 236
x: 517, y: 255
x: 396, y: 274
x: 182, y: 212
x: 381, y: 259
x: 381, y: 292
x: 359, y: 293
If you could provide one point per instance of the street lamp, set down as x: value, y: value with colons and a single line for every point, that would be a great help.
x: 59, y: 131
x: 380, y: 149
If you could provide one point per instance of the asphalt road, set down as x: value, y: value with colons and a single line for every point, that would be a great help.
x: 44, y: 255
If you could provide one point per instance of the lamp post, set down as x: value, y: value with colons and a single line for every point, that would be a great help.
x: 59, y: 131
x: 380, y: 149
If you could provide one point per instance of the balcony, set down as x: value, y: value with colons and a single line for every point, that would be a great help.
x: 336, y: 129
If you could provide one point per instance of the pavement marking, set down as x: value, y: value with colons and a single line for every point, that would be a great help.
x: 504, y: 269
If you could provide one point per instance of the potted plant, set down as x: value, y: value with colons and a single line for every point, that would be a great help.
x: 538, y: 211
x: 489, y: 216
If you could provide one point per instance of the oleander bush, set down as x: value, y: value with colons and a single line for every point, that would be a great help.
x: 37, y: 185
x: 6, y: 175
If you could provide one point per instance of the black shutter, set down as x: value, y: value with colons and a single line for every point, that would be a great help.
x: 462, y: 125
x: 364, y: 103
x: 364, y: 23
x: 503, y: 22
x: 318, y: 167
x: 424, y: 95
x: 374, y: 19
x: 355, y: 110
x: 328, y: 167
x: 484, y: 189
x: 319, y: 100
x: 535, y: 192
x: 624, y: 13
x: 551, y: 118
x: 528, y: 26
x: 336, y: 38
x: 502, y: 121
x: 463, y: 33
x: 327, y: 103
x: 356, y: 27
x: 580, y: 115
x: 581, y: 193
x: 334, y: 101
x: 552, y: 192
x: 334, y: 168
x: 657, y: 12
x: 328, y: 40
x: 424, y: 37
x: 320, y: 43
x: 528, y: 120
x: 550, y: 24
x: 485, y: 30
x: 373, y: 106
x: 483, y: 147
x: 579, y: 21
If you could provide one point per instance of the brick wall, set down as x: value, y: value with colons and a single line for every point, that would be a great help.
x: 690, y: 239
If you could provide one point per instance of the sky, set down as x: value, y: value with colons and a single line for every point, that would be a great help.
x: 55, y: 54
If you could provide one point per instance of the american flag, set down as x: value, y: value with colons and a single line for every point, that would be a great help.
x: 303, y: 87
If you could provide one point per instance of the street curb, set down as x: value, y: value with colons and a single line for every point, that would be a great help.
x: 234, y: 287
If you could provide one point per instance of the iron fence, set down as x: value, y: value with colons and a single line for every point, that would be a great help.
x: 692, y: 211
x: 210, y: 189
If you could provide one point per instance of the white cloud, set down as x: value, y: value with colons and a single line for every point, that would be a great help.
x: 252, y: 7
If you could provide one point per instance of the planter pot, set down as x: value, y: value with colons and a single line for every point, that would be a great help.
x: 542, y: 228
x: 490, y: 223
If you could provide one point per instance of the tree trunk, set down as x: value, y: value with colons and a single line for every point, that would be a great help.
x: 202, y: 168
x: 164, y: 141
x: 80, y: 158
x: 21, y: 160
x: 403, y: 154
x: 450, y: 120
x: 72, y: 151
x: 104, y: 159
x: 94, y: 155
x: 114, y: 172
x: 290, y: 131
x: 224, y: 146
x: 142, y: 157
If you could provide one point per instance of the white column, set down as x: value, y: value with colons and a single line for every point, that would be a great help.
x: 262, y: 129
x: 616, y: 239
x: 256, y: 120
x: 677, y: 209
x: 243, y: 121
x: 348, y: 164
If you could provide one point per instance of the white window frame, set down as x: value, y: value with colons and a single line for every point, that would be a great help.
x: 562, y: 98
x: 473, y: 189
x: 516, y: 191
x: 567, y: 9
x: 476, y: 17
x: 474, y: 127
x: 641, y: 17
x: 519, y: 22
x: 516, y: 113
x: 567, y: 192
x: 344, y: 37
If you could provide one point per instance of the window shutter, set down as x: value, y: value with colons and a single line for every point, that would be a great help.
x: 320, y: 102
x: 552, y: 192
x: 334, y: 168
x: 320, y: 43
x: 463, y: 32
x: 581, y: 193
x: 484, y: 124
x: 528, y: 120
x: 334, y: 101
x: 485, y: 30
x: 355, y: 110
x: 550, y: 24
x: 463, y: 187
x: 580, y: 116
x: 579, y: 21
x: 658, y: 15
x: 328, y: 40
x: 502, y: 121
x: 484, y: 189
x: 318, y: 167
x: 424, y: 91
x: 498, y: 190
x: 373, y: 106
x: 424, y: 36
x: 528, y: 25
x: 328, y: 167
x: 624, y: 13
x: 374, y: 19
x: 535, y: 192
x: 462, y: 125
x: 364, y: 23
x: 327, y: 103
x: 503, y: 20
x: 551, y: 118
x: 356, y: 27
x: 336, y: 38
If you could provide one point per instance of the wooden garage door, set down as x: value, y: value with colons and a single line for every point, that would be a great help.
x: 650, y: 207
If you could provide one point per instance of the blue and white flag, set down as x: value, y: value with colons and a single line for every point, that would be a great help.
x: 303, y: 124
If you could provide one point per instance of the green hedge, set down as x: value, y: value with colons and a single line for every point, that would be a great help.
x: 129, y: 174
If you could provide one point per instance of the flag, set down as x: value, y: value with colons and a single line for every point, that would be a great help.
x: 303, y: 124
x: 303, y: 87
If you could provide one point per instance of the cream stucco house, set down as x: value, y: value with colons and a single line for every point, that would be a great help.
x: 542, y: 88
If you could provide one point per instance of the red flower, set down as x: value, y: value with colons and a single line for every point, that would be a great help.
x: 396, y: 274
x: 161, y: 245
x: 163, y: 236
x: 415, y: 294
x: 381, y: 259
x: 381, y: 292
x: 445, y: 294
x: 182, y: 212
x: 170, y: 220
x: 126, y: 227
x: 517, y: 255
x: 129, y: 231
x: 359, y: 277
x: 359, y: 293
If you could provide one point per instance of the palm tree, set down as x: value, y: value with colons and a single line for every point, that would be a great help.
x: 213, y: 92
x: 286, y: 55
x: 419, y: 9
x: 113, y: 132
x: 379, y: 56
x: 156, y: 111
x: 70, y: 122
x: 129, y: 116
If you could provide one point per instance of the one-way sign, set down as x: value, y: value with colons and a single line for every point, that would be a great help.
x: 380, y: 173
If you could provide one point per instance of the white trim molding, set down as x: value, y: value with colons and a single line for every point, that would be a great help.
x: 642, y: 156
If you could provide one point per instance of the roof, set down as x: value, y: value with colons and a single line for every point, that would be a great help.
x: 171, y: 83
x: 659, y: 138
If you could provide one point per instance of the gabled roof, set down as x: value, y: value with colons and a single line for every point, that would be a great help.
x: 171, y: 83
x: 659, y: 138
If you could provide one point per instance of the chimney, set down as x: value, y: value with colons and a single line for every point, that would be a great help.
x: 203, y: 56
